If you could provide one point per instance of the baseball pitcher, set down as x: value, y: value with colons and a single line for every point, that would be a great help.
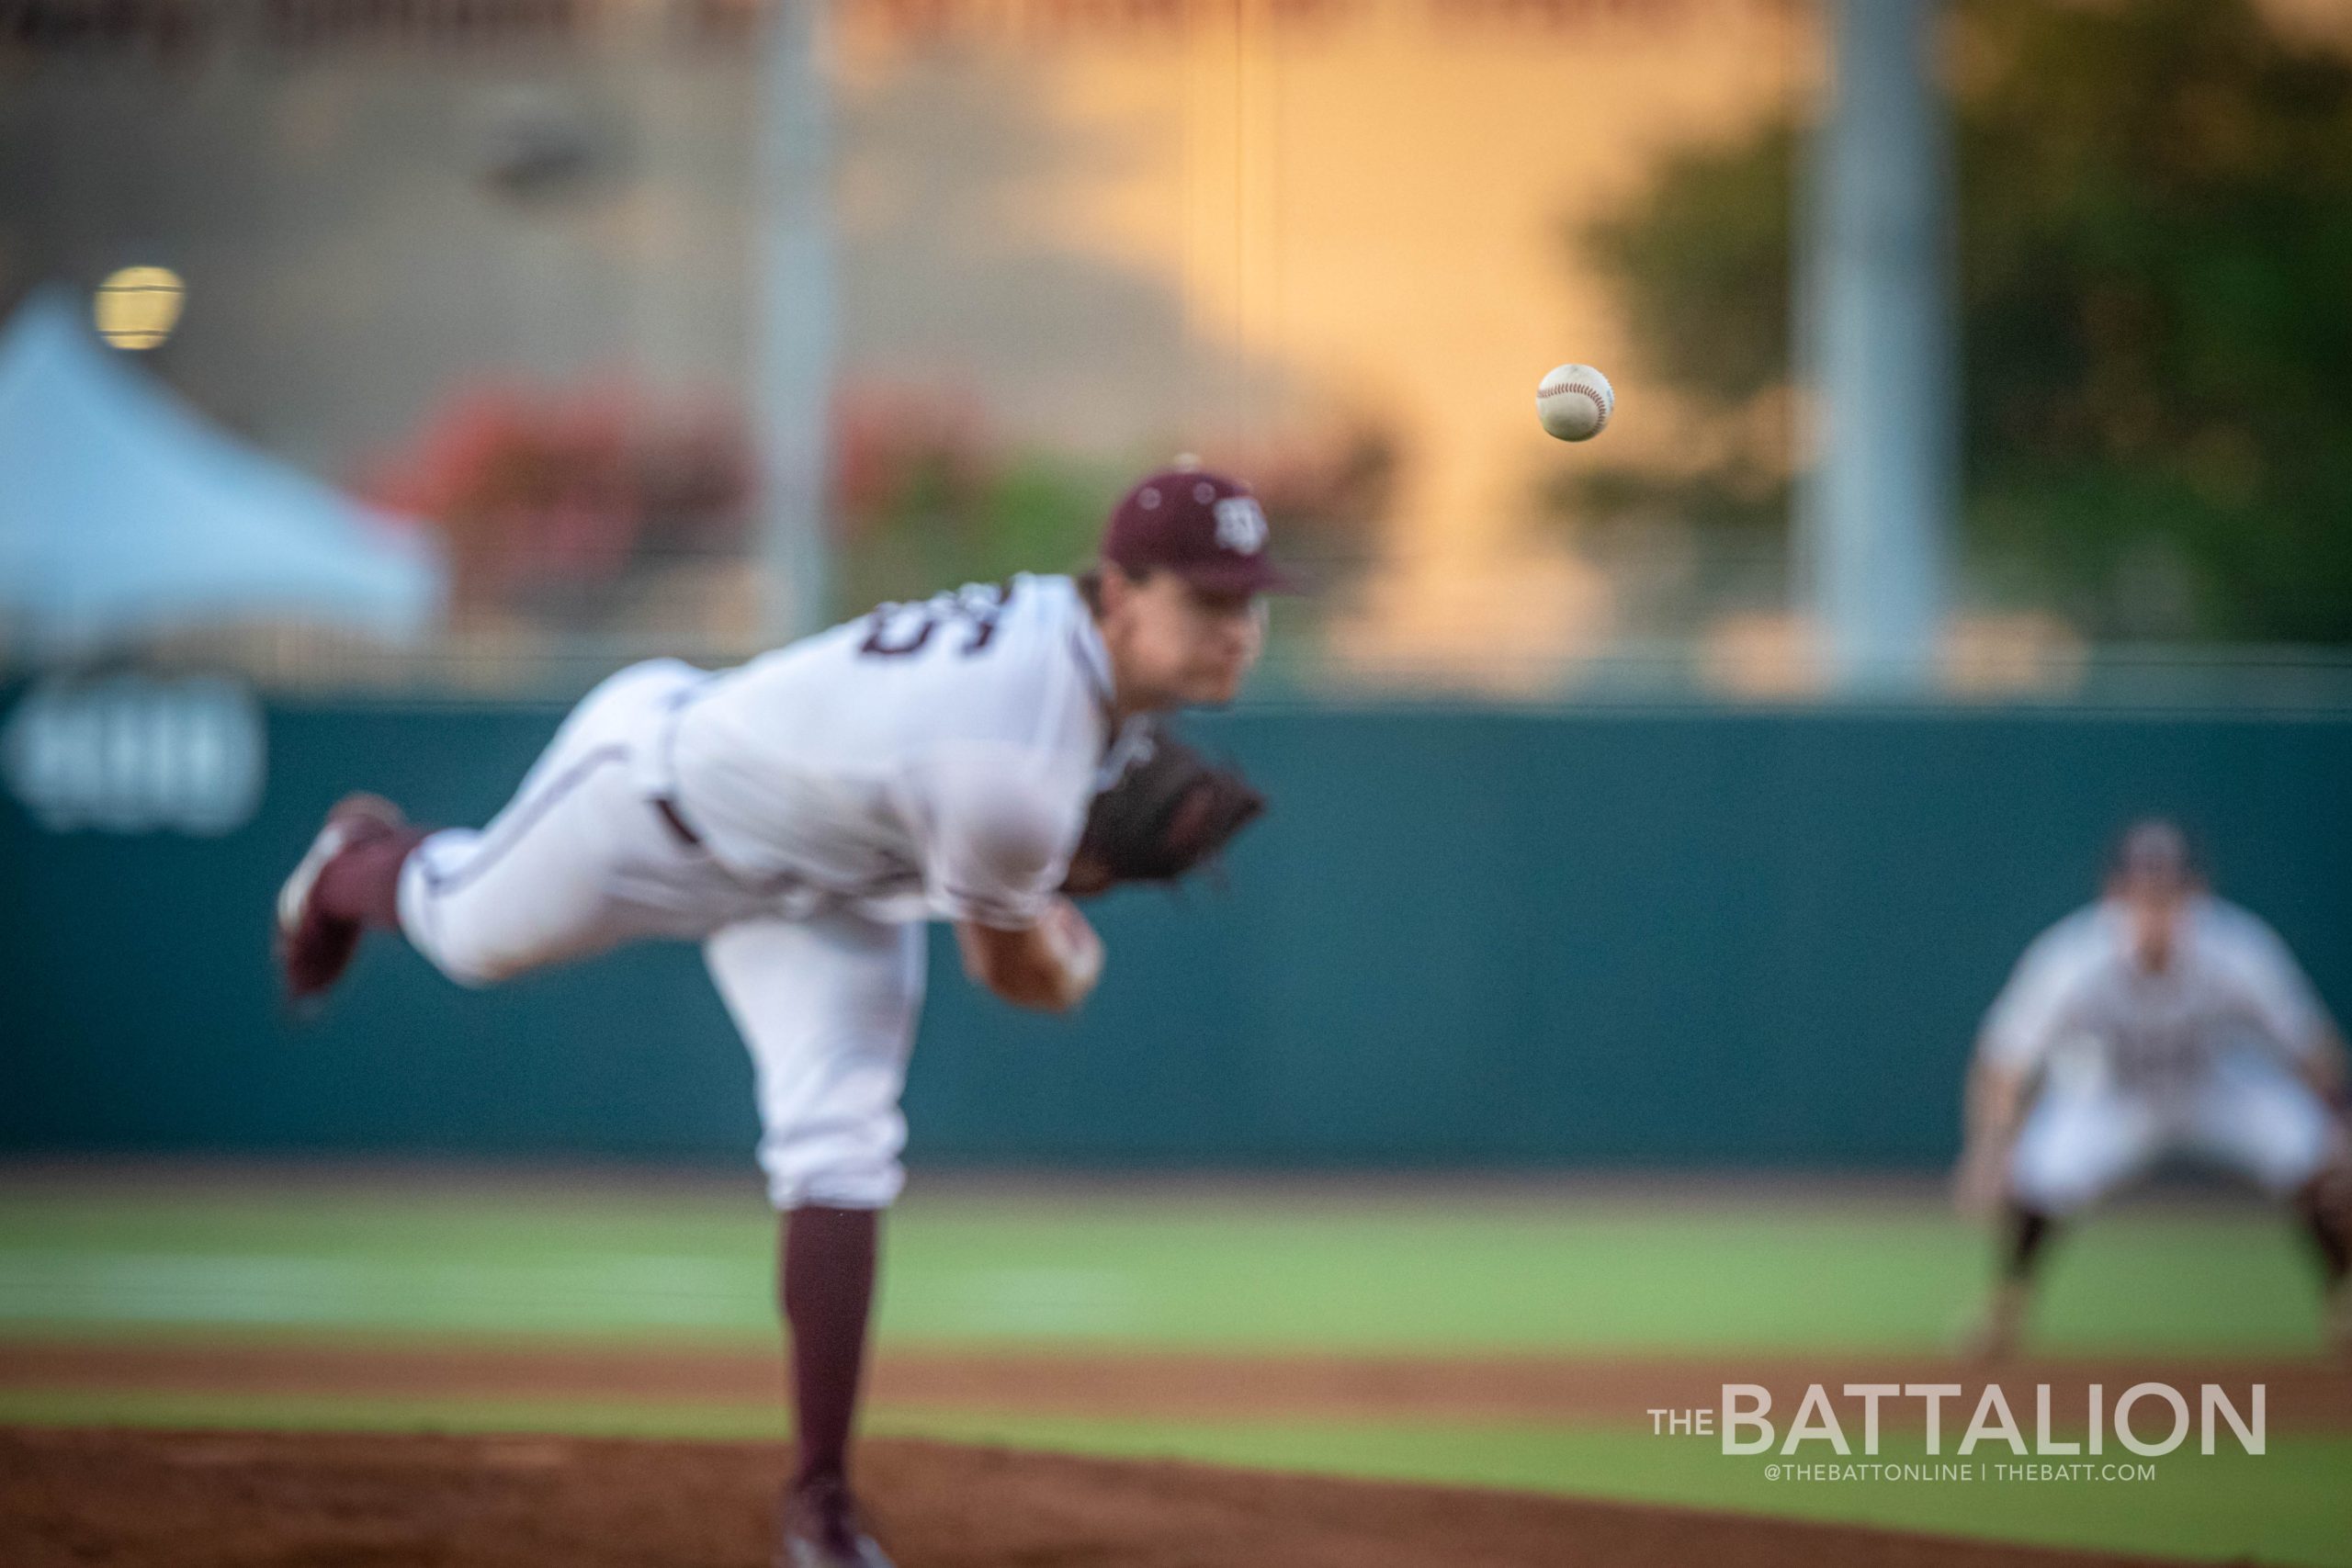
x: 978, y: 758
x: 2159, y: 1020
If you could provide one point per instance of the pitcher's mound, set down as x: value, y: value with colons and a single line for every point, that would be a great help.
x: 180, y: 1500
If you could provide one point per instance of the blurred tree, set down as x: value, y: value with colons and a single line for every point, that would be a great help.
x: 559, y: 505
x: 2156, y: 280
x: 926, y: 497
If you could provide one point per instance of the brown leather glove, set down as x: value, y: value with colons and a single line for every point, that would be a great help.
x: 1169, y: 812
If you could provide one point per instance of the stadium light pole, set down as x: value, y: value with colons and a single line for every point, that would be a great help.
x: 1876, y: 344
x: 793, y: 281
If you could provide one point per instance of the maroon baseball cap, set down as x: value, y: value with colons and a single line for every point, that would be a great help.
x: 1206, y: 528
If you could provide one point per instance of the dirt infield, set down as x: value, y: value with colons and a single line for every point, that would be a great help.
x: 2305, y: 1395
x: 192, y: 1500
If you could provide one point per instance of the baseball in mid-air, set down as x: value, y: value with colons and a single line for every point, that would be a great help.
x: 1574, y: 401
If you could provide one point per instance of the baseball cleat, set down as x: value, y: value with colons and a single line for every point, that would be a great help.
x: 821, y: 1530
x: 314, y: 947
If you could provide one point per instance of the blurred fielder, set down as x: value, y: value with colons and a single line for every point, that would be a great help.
x: 2157, y: 1022
x: 974, y: 759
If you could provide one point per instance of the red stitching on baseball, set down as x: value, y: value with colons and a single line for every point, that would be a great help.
x: 1600, y: 400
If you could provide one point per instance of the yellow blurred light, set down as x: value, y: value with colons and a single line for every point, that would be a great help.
x: 138, y: 307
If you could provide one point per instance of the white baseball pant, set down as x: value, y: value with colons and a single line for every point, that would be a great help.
x: 2083, y: 1139
x: 580, y: 861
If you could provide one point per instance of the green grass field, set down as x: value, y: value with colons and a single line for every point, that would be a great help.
x: 1440, y: 1271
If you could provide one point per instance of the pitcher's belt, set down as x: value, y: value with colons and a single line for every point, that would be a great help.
x: 667, y: 809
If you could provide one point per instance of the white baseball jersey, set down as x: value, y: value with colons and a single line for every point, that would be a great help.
x: 2079, y: 997
x: 930, y: 758
x: 2138, y: 1066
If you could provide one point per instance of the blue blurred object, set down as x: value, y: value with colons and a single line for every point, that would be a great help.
x: 123, y: 514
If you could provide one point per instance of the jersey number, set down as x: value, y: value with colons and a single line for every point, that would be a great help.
x: 895, y: 631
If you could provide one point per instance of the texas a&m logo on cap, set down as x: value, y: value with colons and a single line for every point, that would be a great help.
x: 1240, y: 525
x: 1205, y: 527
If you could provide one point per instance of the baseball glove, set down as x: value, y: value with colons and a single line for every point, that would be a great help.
x: 1170, y: 811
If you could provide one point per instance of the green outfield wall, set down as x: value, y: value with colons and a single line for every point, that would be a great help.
x: 1461, y: 938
